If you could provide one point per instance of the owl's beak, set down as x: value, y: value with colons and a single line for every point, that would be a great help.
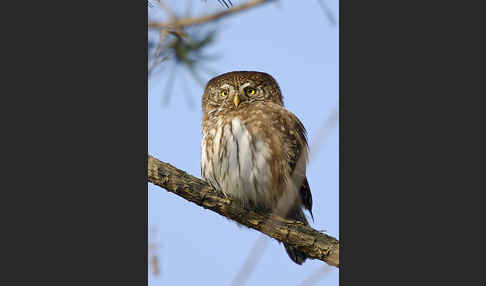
x: 236, y: 100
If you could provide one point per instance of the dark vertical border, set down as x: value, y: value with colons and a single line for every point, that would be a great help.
x: 406, y: 70
x: 115, y: 127
x: 376, y: 103
x: 81, y: 144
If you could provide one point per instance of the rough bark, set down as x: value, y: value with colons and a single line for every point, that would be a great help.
x: 315, y: 244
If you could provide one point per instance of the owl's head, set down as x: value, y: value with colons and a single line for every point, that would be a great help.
x: 237, y: 90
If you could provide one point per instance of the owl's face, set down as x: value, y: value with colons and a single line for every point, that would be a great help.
x: 236, y: 91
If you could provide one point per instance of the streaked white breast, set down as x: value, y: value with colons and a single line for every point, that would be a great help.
x: 244, y: 171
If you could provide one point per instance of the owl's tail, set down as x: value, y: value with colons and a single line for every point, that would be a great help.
x: 297, y: 256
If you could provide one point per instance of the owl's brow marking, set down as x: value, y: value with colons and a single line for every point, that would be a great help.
x: 246, y: 84
x: 225, y: 85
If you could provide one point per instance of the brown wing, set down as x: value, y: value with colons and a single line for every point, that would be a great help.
x: 299, y: 148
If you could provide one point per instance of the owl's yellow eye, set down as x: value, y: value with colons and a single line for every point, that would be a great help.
x: 250, y: 91
x: 224, y: 93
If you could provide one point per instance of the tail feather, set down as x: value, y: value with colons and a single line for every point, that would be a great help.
x: 296, y: 255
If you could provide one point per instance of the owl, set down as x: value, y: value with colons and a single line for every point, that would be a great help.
x: 253, y: 149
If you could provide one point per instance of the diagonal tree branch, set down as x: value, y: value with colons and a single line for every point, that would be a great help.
x: 306, y: 239
x: 178, y: 23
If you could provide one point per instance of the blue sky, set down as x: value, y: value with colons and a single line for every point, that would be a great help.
x: 295, y: 43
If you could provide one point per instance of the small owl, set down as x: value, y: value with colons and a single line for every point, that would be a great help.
x: 253, y: 149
